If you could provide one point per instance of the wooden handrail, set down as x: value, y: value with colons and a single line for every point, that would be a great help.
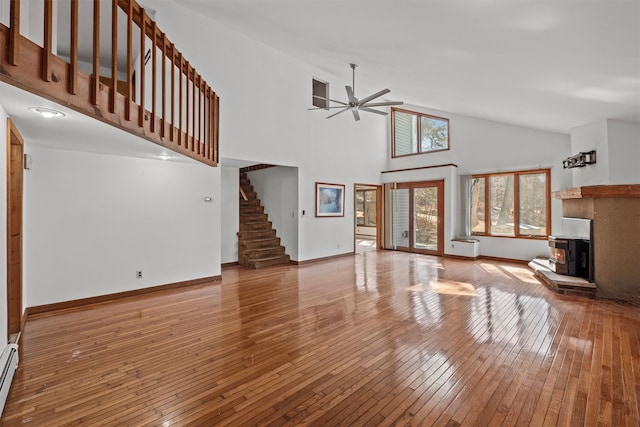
x: 192, y: 131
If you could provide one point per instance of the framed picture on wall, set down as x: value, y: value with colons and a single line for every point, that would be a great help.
x: 329, y: 199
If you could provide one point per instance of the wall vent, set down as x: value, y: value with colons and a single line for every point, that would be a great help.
x: 320, y: 94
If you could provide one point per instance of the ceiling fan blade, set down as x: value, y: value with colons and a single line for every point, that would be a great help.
x: 382, y: 104
x: 329, y: 99
x: 371, y: 110
x: 350, y: 95
x: 374, y: 96
x: 326, y: 108
x: 356, y: 115
x: 339, y: 112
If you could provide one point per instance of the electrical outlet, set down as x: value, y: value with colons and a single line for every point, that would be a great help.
x: 139, y: 274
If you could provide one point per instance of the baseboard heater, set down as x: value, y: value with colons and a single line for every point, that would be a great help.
x: 9, y: 364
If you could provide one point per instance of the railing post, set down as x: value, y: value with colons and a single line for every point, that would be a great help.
x: 154, y: 48
x: 14, y: 32
x: 113, y: 98
x: 164, y: 84
x: 143, y: 53
x: 48, y: 40
x: 96, y: 53
x: 73, y: 49
x: 129, y: 94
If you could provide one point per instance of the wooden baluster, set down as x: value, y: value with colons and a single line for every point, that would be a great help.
x: 113, y: 94
x: 143, y: 37
x: 173, y: 91
x: 164, y: 83
x: 186, y: 128
x: 48, y: 40
x: 95, y: 88
x: 208, y: 123
x: 180, y: 96
x: 154, y: 48
x: 200, y: 115
x: 73, y: 49
x: 216, y: 124
x: 129, y: 71
x: 196, y: 91
x: 14, y: 32
x: 193, y: 114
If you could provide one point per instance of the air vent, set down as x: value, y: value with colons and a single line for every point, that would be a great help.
x: 320, y: 92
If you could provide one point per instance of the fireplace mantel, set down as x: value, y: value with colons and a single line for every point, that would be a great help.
x: 598, y: 191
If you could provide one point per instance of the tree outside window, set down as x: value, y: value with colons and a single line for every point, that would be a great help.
x: 366, y: 208
x: 511, y: 204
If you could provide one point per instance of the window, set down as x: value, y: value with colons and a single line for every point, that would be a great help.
x: 415, y: 133
x: 514, y: 204
x: 320, y: 94
x: 366, y: 208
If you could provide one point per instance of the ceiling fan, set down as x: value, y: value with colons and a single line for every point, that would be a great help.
x: 354, y: 104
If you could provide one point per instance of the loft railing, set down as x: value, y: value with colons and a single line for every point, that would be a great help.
x: 155, y: 94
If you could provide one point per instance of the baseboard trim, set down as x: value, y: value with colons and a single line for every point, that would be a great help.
x: 326, y: 258
x: 65, y: 305
x: 229, y: 264
x: 461, y: 257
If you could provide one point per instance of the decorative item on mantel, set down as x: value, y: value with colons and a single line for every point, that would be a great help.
x: 580, y: 160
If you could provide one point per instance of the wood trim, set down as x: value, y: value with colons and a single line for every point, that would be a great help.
x: 256, y: 167
x: 229, y: 264
x: 73, y: 48
x: 154, y: 83
x: 113, y: 93
x: 422, y: 167
x: 419, y: 114
x: 48, y: 40
x: 95, y: 87
x: 129, y: 91
x: 598, y: 191
x: 326, y: 258
x: 14, y: 226
x: 83, y: 302
x: 461, y: 257
x: 14, y: 32
x: 143, y: 53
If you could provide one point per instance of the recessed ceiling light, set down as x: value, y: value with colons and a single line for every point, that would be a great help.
x: 164, y: 156
x: 46, y: 112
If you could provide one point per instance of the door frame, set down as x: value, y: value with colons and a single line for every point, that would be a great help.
x: 379, y: 218
x: 439, y: 185
x: 15, y: 186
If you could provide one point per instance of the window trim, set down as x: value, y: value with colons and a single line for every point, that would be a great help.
x: 516, y: 204
x: 419, y: 115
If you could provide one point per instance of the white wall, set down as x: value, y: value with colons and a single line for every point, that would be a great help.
x: 483, y: 146
x: 624, y: 152
x: 264, y: 96
x: 230, y: 214
x: 93, y: 220
x: 3, y: 230
x: 277, y: 189
x: 592, y: 136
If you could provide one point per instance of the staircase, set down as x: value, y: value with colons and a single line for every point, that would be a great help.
x: 258, y: 245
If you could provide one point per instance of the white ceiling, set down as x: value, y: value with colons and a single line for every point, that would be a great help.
x: 549, y: 65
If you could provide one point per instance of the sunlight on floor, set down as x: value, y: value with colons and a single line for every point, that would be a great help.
x: 450, y: 287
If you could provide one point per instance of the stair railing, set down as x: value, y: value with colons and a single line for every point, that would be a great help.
x: 157, y: 95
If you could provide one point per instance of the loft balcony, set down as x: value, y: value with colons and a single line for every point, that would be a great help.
x: 109, y: 60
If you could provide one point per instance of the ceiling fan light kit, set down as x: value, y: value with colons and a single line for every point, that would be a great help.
x: 356, y: 105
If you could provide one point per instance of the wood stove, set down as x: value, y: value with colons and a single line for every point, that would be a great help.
x: 571, y: 256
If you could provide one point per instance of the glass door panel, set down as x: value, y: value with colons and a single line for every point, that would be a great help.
x: 425, y: 218
x: 400, y: 217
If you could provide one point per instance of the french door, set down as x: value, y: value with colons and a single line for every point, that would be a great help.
x: 418, y: 217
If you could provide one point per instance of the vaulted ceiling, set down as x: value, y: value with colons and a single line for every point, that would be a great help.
x: 549, y: 65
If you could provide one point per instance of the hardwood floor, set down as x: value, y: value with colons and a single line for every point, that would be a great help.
x: 380, y: 338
